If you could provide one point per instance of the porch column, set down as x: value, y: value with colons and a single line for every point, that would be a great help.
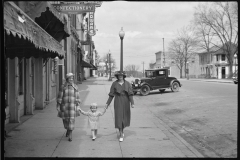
x: 39, y: 99
x: 30, y: 100
x: 14, y: 105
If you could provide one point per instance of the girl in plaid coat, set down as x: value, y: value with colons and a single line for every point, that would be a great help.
x: 67, y: 100
x: 93, y: 118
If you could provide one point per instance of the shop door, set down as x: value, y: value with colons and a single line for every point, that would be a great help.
x: 223, y: 73
x: 22, y: 86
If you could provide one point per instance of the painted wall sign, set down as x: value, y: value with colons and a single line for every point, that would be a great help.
x: 74, y: 8
x: 91, y: 24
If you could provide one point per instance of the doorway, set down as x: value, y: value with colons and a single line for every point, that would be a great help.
x: 22, y: 86
x: 223, y: 73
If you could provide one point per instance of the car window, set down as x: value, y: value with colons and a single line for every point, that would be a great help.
x: 161, y: 73
x: 149, y: 74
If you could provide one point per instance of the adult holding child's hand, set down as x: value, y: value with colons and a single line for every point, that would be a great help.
x: 67, y: 100
x: 122, y: 91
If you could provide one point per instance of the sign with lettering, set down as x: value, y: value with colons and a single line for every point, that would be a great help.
x: 96, y: 3
x: 74, y: 8
x: 91, y: 31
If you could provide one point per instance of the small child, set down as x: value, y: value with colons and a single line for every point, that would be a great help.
x: 93, y: 118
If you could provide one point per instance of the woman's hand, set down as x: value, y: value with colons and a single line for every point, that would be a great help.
x: 58, y: 108
x: 132, y: 105
x: 106, y: 106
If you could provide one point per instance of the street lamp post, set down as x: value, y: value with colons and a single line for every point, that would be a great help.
x: 106, y: 67
x: 110, y: 77
x: 121, y: 35
x: 187, y: 71
x: 235, y: 58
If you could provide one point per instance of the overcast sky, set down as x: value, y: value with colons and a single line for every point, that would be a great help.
x: 145, y: 25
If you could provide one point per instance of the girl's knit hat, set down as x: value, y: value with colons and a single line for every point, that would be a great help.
x: 93, y: 105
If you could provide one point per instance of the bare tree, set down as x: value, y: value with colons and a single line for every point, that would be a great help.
x: 222, y: 20
x: 183, y: 48
x: 106, y: 60
x: 176, y: 54
x: 132, y: 69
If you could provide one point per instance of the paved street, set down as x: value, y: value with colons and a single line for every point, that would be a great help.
x: 156, y: 129
x: 203, y: 113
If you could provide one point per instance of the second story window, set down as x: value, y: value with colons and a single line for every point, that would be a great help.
x: 223, y: 57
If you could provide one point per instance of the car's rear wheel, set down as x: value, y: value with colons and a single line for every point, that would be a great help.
x: 175, y: 87
x: 145, y: 90
x: 161, y: 90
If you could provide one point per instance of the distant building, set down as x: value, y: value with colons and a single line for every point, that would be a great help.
x: 214, y: 64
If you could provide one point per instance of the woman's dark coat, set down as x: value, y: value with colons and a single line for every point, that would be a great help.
x: 123, y: 96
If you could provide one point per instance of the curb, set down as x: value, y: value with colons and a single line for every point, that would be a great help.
x: 218, y: 81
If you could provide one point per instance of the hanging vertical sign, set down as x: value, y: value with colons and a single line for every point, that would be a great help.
x: 91, y: 31
x: 86, y: 26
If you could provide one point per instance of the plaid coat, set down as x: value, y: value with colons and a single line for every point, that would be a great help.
x: 68, y: 97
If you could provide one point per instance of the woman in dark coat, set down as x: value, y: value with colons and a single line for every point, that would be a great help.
x: 122, y: 90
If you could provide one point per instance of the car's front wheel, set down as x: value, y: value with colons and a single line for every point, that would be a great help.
x: 175, y: 87
x: 145, y: 90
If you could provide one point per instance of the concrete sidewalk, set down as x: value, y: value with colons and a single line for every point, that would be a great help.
x: 43, y: 134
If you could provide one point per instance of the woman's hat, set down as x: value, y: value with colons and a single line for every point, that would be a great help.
x: 69, y: 75
x: 117, y: 73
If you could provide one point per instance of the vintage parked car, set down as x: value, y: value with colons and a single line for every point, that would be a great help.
x: 155, y: 79
x: 235, y: 77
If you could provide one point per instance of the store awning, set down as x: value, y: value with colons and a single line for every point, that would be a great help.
x: 86, y: 64
x: 27, y: 39
x: 47, y: 17
x: 93, y: 67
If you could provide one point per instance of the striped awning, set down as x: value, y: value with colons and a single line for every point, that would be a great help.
x: 27, y: 39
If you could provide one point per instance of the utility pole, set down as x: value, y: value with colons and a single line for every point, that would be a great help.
x: 143, y: 68
x: 163, y: 55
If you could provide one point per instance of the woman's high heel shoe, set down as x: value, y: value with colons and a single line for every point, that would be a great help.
x: 70, y: 136
x: 67, y: 134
